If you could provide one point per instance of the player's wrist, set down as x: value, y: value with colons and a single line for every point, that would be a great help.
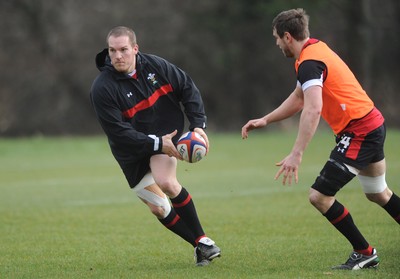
x: 157, y: 143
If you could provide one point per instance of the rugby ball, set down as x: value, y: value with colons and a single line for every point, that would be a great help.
x: 192, y: 147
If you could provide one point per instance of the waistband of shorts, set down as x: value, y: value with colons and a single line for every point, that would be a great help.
x: 371, y: 121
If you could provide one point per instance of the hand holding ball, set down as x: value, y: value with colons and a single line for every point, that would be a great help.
x: 192, y: 147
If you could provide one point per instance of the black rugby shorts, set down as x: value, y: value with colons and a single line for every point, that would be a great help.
x: 358, y: 149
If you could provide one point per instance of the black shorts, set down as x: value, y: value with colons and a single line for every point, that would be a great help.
x: 359, y: 150
x: 135, y: 171
x: 360, y: 144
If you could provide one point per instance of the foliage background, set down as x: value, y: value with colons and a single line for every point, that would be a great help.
x: 48, y: 50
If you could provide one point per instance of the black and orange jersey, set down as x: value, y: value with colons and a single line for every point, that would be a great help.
x: 343, y: 97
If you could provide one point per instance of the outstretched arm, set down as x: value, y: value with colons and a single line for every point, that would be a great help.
x: 309, y: 120
x: 292, y: 105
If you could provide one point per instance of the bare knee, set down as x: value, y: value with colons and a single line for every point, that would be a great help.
x: 170, y: 187
x: 158, y: 211
x: 315, y: 198
x: 375, y: 188
x: 320, y: 201
x: 163, y: 169
x: 332, y: 178
x: 380, y: 198
x: 155, y: 199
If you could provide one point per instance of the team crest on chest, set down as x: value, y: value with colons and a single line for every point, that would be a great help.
x: 152, y: 78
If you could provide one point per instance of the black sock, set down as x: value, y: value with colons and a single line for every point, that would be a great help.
x: 393, y: 207
x: 184, y: 206
x: 174, y: 223
x: 343, y: 222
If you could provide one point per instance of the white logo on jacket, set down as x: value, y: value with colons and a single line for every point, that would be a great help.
x: 152, y: 77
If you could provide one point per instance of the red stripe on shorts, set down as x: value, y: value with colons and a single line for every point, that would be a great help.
x: 361, y: 128
x: 354, y: 148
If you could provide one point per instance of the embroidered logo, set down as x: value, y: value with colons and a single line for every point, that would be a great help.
x: 152, y: 78
x: 129, y: 94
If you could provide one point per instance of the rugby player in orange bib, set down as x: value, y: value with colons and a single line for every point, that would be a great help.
x: 327, y: 87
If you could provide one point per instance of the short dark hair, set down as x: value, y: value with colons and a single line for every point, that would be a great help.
x: 122, y: 31
x: 294, y: 21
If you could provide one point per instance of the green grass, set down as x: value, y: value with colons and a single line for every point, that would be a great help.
x: 67, y: 212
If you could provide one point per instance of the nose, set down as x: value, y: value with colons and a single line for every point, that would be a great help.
x: 118, y: 55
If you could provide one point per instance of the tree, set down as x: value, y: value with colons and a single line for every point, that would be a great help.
x: 48, y: 50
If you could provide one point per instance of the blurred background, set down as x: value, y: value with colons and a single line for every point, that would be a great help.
x: 48, y: 49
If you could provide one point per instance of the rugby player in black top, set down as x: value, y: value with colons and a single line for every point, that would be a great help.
x: 137, y: 99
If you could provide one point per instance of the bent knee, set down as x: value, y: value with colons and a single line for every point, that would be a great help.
x: 380, y: 198
x: 158, y: 211
x: 170, y: 187
x: 315, y: 198
x: 158, y: 205
x: 320, y: 201
x: 165, y: 183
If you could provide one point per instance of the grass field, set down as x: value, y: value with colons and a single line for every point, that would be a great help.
x: 67, y: 212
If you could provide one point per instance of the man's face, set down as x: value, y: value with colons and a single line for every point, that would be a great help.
x: 282, y: 43
x: 122, y: 53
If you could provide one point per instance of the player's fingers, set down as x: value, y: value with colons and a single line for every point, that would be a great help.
x: 289, y: 176
x: 278, y: 174
x: 244, y: 132
x: 205, y: 137
x: 173, y: 134
x: 176, y: 154
x: 207, y: 144
x: 203, y: 134
x: 249, y: 126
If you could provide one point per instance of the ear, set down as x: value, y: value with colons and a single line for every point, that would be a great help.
x: 136, y: 48
x: 287, y: 37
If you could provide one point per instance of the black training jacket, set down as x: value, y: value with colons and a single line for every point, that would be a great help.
x: 136, y: 113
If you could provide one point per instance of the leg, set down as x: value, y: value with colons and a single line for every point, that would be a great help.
x: 332, y: 178
x: 155, y: 199
x: 163, y: 168
x: 372, y: 178
x: 375, y: 188
x: 164, y: 173
x: 341, y: 219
